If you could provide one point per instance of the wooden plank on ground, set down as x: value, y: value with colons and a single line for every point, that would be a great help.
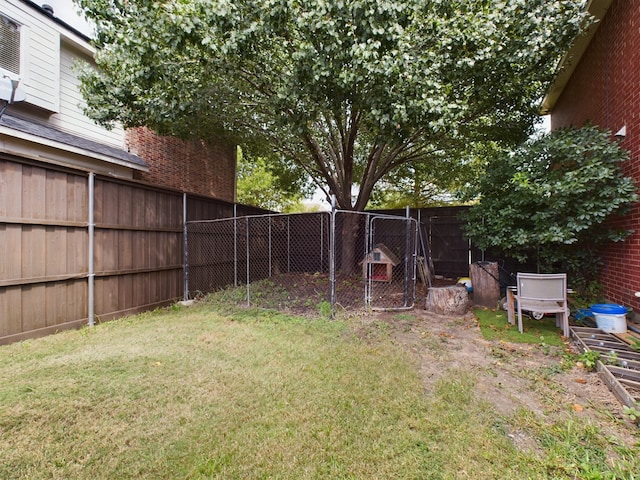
x: 622, y: 355
x: 630, y: 337
x: 615, y: 386
x: 608, y: 344
x: 630, y: 383
x: 627, y: 373
x: 618, y: 379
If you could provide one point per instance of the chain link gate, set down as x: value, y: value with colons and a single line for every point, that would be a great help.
x: 391, y: 263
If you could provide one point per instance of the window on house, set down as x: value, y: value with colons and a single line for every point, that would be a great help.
x: 9, y: 45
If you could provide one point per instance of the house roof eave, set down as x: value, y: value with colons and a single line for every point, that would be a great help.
x: 30, y: 131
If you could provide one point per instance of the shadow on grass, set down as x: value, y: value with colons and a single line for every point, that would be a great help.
x: 495, y: 326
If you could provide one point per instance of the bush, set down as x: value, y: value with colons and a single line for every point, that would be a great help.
x: 550, y: 200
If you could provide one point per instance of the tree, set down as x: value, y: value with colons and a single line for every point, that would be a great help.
x: 348, y: 90
x: 434, y: 181
x: 551, y: 199
x: 259, y: 183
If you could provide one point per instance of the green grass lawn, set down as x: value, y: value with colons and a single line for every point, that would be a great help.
x: 197, y: 394
x: 495, y: 326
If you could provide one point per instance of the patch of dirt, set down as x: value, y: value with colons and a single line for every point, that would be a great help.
x: 301, y: 293
x: 509, y: 376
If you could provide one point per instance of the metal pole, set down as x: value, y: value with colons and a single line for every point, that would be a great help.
x: 270, y: 247
x: 406, y: 256
x: 332, y: 257
x: 248, y: 277
x: 235, y: 245
x: 321, y: 217
x: 368, y: 247
x: 415, y: 260
x: 91, y: 275
x: 185, y: 266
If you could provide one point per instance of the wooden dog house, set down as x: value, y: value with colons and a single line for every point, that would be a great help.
x: 379, y: 263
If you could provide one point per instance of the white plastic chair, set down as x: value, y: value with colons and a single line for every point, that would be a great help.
x: 543, y: 293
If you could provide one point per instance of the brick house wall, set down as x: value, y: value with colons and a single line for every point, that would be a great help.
x: 604, y: 90
x: 193, y: 166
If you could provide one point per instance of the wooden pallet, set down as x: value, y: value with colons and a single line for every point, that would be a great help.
x: 619, y: 366
x: 425, y: 273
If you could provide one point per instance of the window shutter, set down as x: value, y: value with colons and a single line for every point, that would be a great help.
x: 9, y: 45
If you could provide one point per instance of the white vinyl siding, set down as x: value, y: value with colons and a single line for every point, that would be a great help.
x: 47, y: 75
x: 71, y: 117
x: 39, y: 55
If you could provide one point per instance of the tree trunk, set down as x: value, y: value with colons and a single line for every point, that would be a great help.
x: 452, y: 300
x: 350, y: 229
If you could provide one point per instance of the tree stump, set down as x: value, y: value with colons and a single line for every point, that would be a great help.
x: 485, y: 283
x: 452, y: 300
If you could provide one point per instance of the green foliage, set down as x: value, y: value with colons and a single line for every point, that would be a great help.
x: 265, y: 185
x: 349, y: 91
x: 324, y: 309
x: 590, y: 292
x: 635, y: 344
x: 632, y: 412
x: 589, y: 359
x: 551, y: 198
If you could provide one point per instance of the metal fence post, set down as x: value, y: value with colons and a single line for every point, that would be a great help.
x: 321, y: 242
x: 406, y: 255
x: 270, y: 264
x: 248, y: 266
x: 368, y: 247
x: 235, y: 245
x: 185, y: 246
x: 91, y: 233
x: 332, y: 257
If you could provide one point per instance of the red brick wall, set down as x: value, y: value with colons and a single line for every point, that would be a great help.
x: 605, y: 91
x: 193, y: 166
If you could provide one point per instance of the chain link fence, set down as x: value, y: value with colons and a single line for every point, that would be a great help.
x: 342, y: 260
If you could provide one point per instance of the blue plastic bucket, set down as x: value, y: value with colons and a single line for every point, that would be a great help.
x: 610, y: 317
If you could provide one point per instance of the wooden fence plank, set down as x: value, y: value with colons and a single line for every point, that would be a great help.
x: 11, y: 263
x: 10, y: 189
x: 77, y: 251
x: 55, y: 194
x: 124, y: 199
x: 33, y: 186
x: 125, y: 250
x: 77, y: 198
x: 33, y: 251
x: 33, y: 302
x: 138, y: 204
x: 55, y: 304
x: 10, y: 311
x: 56, y: 251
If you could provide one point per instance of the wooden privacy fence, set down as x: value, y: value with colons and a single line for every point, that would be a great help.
x: 79, y: 247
